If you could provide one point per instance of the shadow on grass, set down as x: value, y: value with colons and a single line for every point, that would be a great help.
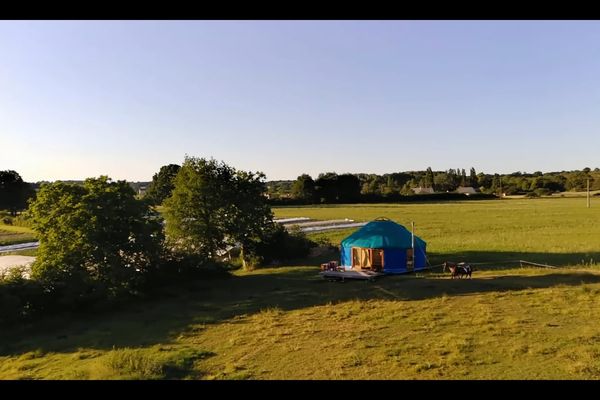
x: 499, y: 259
x: 188, y: 309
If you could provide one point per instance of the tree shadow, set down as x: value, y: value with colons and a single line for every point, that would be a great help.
x: 187, y: 310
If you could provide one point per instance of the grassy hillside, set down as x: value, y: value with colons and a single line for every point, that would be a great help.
x: 289, y: 323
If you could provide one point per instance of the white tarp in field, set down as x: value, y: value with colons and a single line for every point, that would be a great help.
x: 290, y: 220
x: 308, y: 225
x: 331, y: 227
x: 20, y: 246
x: 324, y: 223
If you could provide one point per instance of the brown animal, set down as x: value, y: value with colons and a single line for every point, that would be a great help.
x: 459, y: 270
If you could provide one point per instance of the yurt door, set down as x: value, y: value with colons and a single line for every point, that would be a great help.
x: 410, y: 260
x: 360, y: 258
x: 377, y: 259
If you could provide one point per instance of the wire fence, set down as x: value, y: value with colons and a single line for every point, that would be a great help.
x: 499, y: 263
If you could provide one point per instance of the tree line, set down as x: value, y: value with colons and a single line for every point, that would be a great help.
x: 349, y: 188
x: 331, y: 187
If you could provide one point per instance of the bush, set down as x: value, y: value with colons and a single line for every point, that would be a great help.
x: 177, y: 267
x: 20, y: 298
x: 7, y: 221
x: 542, y: 191
x: 532, y: 194
x: 278, y: 244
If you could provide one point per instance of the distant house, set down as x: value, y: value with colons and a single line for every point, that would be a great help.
x: 423, y: 190
x: 466, y: 190
x: 142, y: 190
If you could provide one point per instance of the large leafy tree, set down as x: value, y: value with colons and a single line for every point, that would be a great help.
x: 96, y: 232
x: 327, y: 188
x: 303, y: 188
x: 14, y: 192
x: 577, y: 181
x: 213, y: 206
x: 250, y: 216
x: 348, y: 188
x: 162, y: 184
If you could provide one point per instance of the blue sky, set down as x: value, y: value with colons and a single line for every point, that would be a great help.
x: 122, y: 98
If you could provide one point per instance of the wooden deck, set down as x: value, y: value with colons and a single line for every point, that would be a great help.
x: 343, y: 275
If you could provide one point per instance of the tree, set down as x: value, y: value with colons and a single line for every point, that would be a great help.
x: 249, y: 215
x: 472, y: 177
x: 304, y: 188
x: 429, y: 178
x: 162, y: 184
x: 443, y: 182
x: 326, y: 187
x: 95, y: 232
x: 497, y: 185
x: 577, y: 181
x: 484, y: 180
x: 348, y: 188
x: 195, y: 212
x: 213, y: 206
x: 14, y: 192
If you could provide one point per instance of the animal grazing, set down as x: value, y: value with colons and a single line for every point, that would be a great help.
x: 459, y: 270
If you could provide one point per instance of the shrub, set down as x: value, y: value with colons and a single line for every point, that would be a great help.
x: 542, y: 191
x: 278, y: 244
x: 177, y: 267
x: 20, y: 298
x: 7, y: 221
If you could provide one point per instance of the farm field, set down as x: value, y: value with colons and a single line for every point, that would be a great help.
x: 556, y: 231
x: 289, y: 323
x: 15, y: 234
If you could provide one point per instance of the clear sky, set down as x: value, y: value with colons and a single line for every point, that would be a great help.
x: 122, y: 98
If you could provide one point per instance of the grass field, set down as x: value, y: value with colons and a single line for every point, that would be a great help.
x: 288, y: 323
x: 15, y: 234
x: 559, y: 231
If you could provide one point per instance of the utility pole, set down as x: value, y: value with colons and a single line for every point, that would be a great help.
x: 588, y: 192
x: 412, y: 224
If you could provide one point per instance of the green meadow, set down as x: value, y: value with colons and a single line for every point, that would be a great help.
x: 556, y: 231
x: 508, y: 322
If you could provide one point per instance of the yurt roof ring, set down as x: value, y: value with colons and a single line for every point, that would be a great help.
x: 381, y: 219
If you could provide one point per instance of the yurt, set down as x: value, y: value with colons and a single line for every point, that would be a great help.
x: 383, y: 246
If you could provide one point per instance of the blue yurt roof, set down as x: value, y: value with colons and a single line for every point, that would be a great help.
x: 382, y: 234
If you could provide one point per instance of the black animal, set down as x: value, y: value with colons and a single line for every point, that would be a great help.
x: 460, y: 270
